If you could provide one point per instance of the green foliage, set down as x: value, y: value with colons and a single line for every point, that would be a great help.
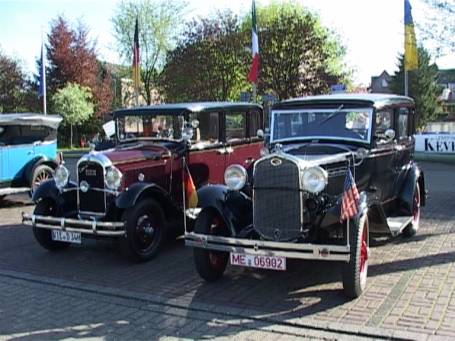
x: 210, y: 62
x: 74, y: 103
x: 212, y: 59
x: 13, y: 86
x: 158, y: 29
x: 423, y: 87
x: 299, y: 56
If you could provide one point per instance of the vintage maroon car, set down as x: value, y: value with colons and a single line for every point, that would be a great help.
x: 134, y: 192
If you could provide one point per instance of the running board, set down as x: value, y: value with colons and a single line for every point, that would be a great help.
x: 397, y: 224
x: 14, y: 190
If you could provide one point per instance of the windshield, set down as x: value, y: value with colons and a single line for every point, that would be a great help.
x: 332, y: 124
x: 149, y: 127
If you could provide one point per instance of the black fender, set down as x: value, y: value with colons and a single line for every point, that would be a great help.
x: 134, y: 193
x: 48, y: 190
x: 33, y: 164
x: 406, y: 194
x: 234, y: 207
x: 333, y: 214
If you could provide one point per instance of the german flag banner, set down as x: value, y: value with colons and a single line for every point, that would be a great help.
x: 191, y: 198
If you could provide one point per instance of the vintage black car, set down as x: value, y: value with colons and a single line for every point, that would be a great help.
x: 133, y: 192
x: 340, y: 169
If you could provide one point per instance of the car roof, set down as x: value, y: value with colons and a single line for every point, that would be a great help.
x: 30, y: 119
x: 376, y: 100
x: 180, y: 108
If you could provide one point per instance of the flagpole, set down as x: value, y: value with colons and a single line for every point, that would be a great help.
x: 406, y: 80
x: 43, y: 74
x: 255, y: 89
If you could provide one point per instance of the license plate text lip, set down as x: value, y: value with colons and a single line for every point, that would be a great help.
x: 258, y: 261
x: 66, y: 236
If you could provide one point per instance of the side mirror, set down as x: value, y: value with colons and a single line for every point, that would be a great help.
x: 260, y: 133
x: 389, y: 134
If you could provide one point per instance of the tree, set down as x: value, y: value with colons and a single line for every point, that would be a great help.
x: 299, y: 56
x: 75, y: 104
x: 210, y: 62
x: 12, y: 85
x: 72, y: 58
x: 438, y: 35
x: 158, y: 28
x: 423, y: 87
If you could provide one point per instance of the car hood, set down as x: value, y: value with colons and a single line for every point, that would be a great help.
x: 137, y: 153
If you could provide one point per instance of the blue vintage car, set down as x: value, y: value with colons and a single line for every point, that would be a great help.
x: 28, y: 151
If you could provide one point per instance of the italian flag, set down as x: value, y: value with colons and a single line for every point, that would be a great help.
x: 254, y: 71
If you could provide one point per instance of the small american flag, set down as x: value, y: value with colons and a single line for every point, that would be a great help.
x: 350, y: 202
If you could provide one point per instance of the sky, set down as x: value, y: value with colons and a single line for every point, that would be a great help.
x: 371, y: 30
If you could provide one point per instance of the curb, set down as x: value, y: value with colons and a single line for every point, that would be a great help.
x: 344, y: 331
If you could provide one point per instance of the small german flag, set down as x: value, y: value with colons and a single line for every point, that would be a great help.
x: 190, y: 189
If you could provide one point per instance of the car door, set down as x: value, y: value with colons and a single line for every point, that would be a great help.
x: 241, y: 144
x: 404, y: 146
x: 206, y: 155
x: 383, y: 167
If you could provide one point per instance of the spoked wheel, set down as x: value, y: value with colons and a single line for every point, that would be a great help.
x: 412, y: 228
x: 44, y: 236
x: 210, y: 264
x: 41, y: 174
x: 144, y: 230
x: 355, y: 272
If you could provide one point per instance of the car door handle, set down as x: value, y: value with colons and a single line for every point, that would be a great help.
x: 221, y: 151
x: 229, y: 150
x: 250, y: 160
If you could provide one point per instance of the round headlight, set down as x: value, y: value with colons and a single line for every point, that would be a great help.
x: 314, y: 179
x: 61, y: 176
x: 113, y: 178
x: 235, y: 177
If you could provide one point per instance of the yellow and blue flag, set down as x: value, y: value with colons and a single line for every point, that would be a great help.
x: 411, y: 61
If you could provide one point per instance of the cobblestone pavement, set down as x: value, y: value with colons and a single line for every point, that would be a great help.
x: 93, y: 291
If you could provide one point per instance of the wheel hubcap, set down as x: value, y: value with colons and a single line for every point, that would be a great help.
x: 41, y: 177
x: 145, y: 231
x: 216, y: 258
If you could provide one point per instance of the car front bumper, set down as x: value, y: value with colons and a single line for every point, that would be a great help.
x: 83, y: 226
x: 269, y: 248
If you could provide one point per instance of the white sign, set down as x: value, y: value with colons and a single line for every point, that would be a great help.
x: 435, y: 143
x: 109, y: 128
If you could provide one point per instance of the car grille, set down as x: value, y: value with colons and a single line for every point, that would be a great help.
x: 277, y: 209
x: 94, y: 200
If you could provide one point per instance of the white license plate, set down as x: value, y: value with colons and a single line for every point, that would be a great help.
x: 65, y: 236
x: 257, y: 261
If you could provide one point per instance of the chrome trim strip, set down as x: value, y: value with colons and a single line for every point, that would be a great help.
x: 74, y: 225
x: 266, y: 248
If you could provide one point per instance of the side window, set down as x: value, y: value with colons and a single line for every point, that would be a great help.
x: 235, y: 126
x: 209, y: 127
x: 255, y: 123
x: 384, y: 121
x: 403, y: 126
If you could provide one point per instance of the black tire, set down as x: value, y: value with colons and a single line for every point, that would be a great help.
x: 413, y: 226
x: 40, y: 174
x: 145, y: 230
x: 355, y: 272
x: 210, y: 264
x: 43, y: 236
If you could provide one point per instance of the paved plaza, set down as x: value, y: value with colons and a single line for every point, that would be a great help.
x: 92, y: 291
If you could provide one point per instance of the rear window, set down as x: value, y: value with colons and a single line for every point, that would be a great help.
x: 15, y: 135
